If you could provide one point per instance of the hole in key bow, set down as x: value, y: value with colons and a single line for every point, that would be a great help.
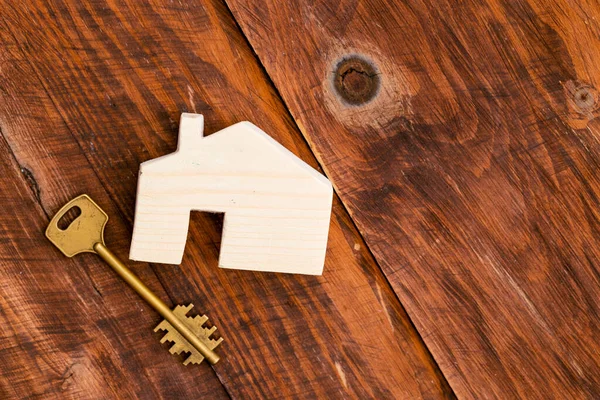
x: 68, y: 218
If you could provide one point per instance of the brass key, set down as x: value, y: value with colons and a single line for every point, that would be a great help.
x: 86, y: 234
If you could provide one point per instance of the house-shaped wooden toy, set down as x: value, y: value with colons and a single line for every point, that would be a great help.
x: 277, y: 208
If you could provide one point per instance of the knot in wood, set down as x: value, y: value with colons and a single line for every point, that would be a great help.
x: 583, y: 103
x: 356, y: 80
x: 585, y: 98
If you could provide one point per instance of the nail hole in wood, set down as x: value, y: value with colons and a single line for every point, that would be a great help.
x: 67, y: 219
x: 356, y: 80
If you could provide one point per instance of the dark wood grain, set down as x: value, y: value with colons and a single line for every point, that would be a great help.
x: 473, y: 173
x: 90, y: 90
x: 67, y: 328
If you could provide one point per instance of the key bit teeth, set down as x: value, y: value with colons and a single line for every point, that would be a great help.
x: 200, y: 320
x: 180, y: 344
x: 177, y: 348
x: 193, y: 359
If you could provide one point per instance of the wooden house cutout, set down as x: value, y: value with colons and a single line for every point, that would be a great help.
x: 277, y: 208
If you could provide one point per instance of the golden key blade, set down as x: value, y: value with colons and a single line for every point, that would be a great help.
x: 86, y: 234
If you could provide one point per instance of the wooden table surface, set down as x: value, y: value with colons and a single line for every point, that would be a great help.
x: 462, y: 142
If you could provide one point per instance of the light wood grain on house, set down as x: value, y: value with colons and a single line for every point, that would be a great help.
x: 277, y: 207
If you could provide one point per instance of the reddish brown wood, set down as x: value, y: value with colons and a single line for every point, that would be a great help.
x: 472, y: 174
x: 90, y: 90
x: 69, y: 329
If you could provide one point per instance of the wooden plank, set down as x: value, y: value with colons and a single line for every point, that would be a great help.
x: 472, y: 173
x: 70, y: 327
x: 97, y: 91
x: 65, y: 332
